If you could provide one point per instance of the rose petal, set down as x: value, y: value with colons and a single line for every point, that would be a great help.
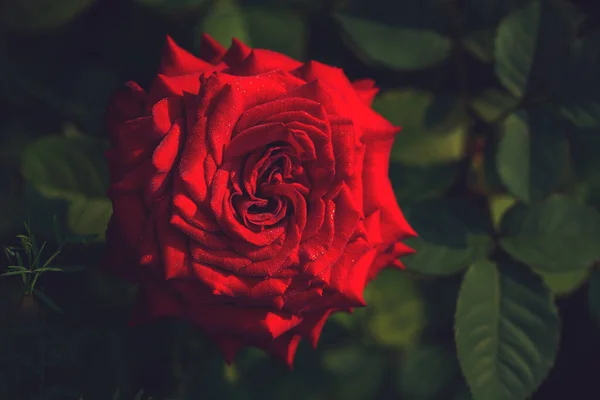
x: 236, y: 53
x: 312, y: 326
x: 345, y: 217
x: 225, y: 283
x: 132, y: 143
x: 346, y: 102
x: 172, y: 86
x: 258, y: 136
x: 348, y: 276
x: 254, y: 322
x: 129, y: 215
x: 177, y: 61
x: 260, y: 61
x: 284, y: 347
x: 345, y: 147
x: 379, y: 194
x: 366, y: 90
x: 127, y: 103
x: 210, y: 49
x: 173, y: 244
x: 165, y: 112
x: 389, y: 258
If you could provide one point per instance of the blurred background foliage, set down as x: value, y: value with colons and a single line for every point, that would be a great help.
x: 496, y: 168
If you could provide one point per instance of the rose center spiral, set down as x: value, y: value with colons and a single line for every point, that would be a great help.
x: 261, y: 203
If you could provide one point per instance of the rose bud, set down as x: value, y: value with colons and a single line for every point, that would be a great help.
x: 251, y: 195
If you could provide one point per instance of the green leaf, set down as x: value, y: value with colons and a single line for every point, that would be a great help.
x: 47, y: 300
x: 564, y: 283
x: 427, y: 371
x: 40, y: 270
x: 498, y: 206
x: 594, y: 296
x: 397, y: 48
x: 71, y: 268
x: 413, y: 183
x: 13, y: 273
x: 431, y: 149
x: 396, y: 309
x: 558, y: 235
x: 528, y: 43
x: 71, y: 169
x: 428, y: 136
x: 532, y: 155
x: 513, y: 219
x: 578, y: 93
x: 491, y: 183
x: 224, y: 21
x: 268, y: 27
x: 89, y: 216
x: 507, y: 331
x: 48, y: 269
x: 491, y: 104
x: 452, y: 235
x: 37, y: 15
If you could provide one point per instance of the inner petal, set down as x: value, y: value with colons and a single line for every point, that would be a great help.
x: 259, y: 213
x: 256, y: 203
x: 255, y: 166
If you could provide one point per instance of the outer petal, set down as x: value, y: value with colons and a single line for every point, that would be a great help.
x: 379, y: 194
x: 177, y: 61
x: 347, y: 99
x: 210, y: 49
x: 284, y: 347
x: 236, y: 53
x: 127, y: 103
x: 349, y: 275
x: 173, y: 86
x: 366, y: 90
x: 260, y: 61
x: 312, y: 326
x: 389, y: 257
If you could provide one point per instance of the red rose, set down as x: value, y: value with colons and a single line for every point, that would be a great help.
x: 250, y: 194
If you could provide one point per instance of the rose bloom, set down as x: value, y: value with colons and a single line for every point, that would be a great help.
x: 251, y: 195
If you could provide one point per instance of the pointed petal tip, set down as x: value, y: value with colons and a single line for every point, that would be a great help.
x: 176, y: 60
x: 210, y: 49
x: 237, y: 52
